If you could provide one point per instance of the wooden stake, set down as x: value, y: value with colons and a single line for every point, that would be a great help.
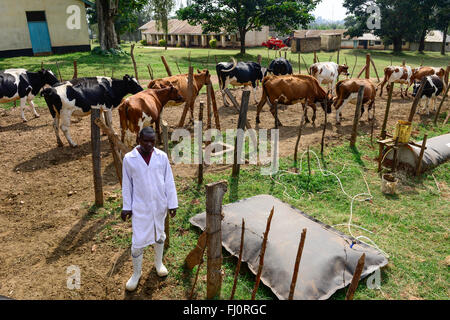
x: 375, y: 68
x: 299, y: 65
x: 356, y: 61
x: 134, y: 62
x: 323, y: 134
x: 275, y: 108
x: 169, y: 73
x: 214, y: 197
x: 356, y: 276
x: 208, y: 107
x: 416, y: 100
x: 214, y: 105
x: 178, y: 67
x: 440, y: 105
x: 96, y: 160
x: 239, y: 140
x: 238, y: 266
x: 357, y: 116
x: 115, y: 152
x: 297, y: 143
x: 386, y: 113
x: 198, y: 270
x: 361, y: 72
x: 297, y: 264
x: 200, y: 145
x: 113, y: 136
x: 59, y: 72
x: 338, y: 53
x: 368, y: 66
x: 235, y: 105
x: 306, y: 66
x: 150, y: 71
x: 261, y: 255
x: 165, y: 131
x: 75, y: 69
x: 422, y: 151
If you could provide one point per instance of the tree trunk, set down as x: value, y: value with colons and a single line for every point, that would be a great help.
x: 422, y: 40
x: 397, y: 45
x: 444, y: 41
x: 106, y: 31
x: 242, y: 35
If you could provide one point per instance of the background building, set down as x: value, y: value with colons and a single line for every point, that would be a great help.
x: 31, y: 27
x: 182, y: 34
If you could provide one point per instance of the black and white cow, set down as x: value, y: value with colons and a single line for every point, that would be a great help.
x: 279, y: 67
x: 78, y: 96
x: 21, y: 84
x: 433, y: 88
x: 238, y: 74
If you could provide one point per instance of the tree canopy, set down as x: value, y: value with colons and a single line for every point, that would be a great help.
x: 241, y: 16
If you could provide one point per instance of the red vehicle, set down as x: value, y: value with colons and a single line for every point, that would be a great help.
x: 274, y: 43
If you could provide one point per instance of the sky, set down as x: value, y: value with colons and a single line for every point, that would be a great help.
x: 331, y: 10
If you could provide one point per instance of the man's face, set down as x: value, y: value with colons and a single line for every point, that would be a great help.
x: 147, y: 142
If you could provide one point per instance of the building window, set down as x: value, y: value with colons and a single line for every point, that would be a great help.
x: 377, y: 43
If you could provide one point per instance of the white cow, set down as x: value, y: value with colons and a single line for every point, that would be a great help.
x: 396, y: 74
x: 328, y: 73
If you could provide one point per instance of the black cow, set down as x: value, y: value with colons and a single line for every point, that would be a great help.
x: 279, y: 67
x: 238, y: 74
x: 433, y: 88
x: 21, y: 84
x: 77, y: 97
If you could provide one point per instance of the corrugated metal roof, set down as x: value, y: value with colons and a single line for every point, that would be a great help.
x: 317, y: 33
x: 436, y: 36
x: 175, y: 27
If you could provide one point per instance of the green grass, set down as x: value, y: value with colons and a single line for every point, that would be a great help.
x: 412, y: 226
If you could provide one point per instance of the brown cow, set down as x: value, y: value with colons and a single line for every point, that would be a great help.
x: 143, y: 109
x: 347, y: 91
x: 180, y: 81
x: 292, y: 89
x: 397, y: 74
x: 421, y: 72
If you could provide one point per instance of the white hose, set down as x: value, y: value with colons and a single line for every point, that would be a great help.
x: 367, y: 196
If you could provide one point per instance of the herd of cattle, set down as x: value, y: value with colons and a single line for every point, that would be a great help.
x: 78, y: 96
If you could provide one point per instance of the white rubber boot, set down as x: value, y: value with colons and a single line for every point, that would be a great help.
x: 161, y: 270
x: 137, y: 271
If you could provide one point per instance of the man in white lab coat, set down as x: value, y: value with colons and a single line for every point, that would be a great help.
x: 148, y: 191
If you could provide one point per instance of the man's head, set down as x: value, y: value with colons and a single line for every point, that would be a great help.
x: 147, y: 139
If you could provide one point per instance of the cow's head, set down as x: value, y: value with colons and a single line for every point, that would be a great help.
x: 343, y: 69
x: 132, y: 86
x: 48, y: 77
x: 172, y: 93
x: 204, y: 76
x: 416, y: 87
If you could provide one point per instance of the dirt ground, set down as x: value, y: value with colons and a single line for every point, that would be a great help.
x: 45, y: 192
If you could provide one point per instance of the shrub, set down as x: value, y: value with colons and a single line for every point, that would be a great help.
x: 144, y: 42
x: 213, y: 43
x: 162, y: 42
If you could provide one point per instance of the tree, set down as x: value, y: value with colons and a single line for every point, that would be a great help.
x: 242, y: 16
x: 442, y: 22
x: 398, y: 20
x: 115, y: 17
x: 161, y: 10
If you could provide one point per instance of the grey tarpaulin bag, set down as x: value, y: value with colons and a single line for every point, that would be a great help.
x: 327, y: 263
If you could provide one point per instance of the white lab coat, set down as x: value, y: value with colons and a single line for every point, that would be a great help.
x: 148, y: 190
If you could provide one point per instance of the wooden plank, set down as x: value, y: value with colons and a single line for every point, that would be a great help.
x: 356, y: 277
x: 214, y: 197
x: 239, y: 140
x: 96, y: 160
x: 357, y: 116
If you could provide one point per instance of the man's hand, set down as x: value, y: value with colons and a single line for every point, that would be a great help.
x: 172, y: 212
x: 125, y: 214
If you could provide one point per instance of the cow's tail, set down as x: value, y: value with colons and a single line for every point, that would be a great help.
x: 234, y: 66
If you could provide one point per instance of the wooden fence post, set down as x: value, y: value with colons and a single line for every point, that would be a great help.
x: 368, y: 66
x: 189, y: 99
x: 214, y: 197
x: 150, y: 71
x: 169, y: 73
x: 96, y: 161
x: 440, y: 105
x: 416, y: 100
x: 59, y: 72
x: 165, y: 131
x: 75, y: 69
x: 239, y: 140
x: 115, y: 152
x: 214, y: 105
x: 357, y: 116
x: 238, y: 266
x: 200, y: 145
x: 297, y: 264
x: 356, y: 277
x: 422, y: 151
x: 262, y: 253
x: 298, y: 141
x: 236, y: 105
x: 386, y: 113
x: 322, y: 143
x: 299, y: 65
x: 315, y: 57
